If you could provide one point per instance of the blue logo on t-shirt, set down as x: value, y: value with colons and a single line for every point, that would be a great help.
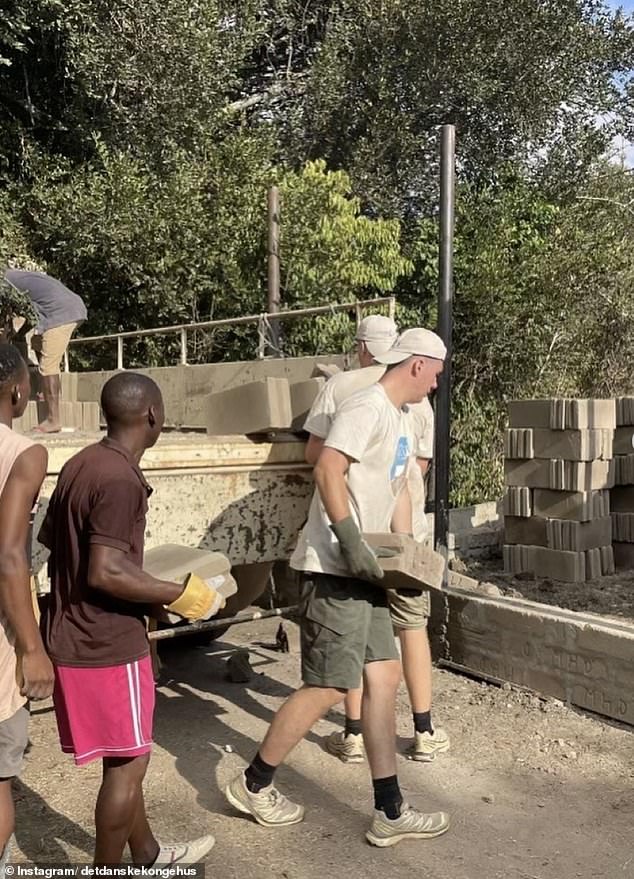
x: 400, y: 458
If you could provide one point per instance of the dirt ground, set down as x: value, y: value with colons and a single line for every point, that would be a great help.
x: 610, y: 596
x: 536, y: 790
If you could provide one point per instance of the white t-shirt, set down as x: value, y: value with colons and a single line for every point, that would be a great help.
x: 343, y: 385
x: 378, y: 437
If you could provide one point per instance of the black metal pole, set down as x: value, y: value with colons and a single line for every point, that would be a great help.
x: 445, y: 302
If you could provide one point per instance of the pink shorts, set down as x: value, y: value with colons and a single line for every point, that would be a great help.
x: 105, y: 712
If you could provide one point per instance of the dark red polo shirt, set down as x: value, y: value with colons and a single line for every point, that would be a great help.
x: 100, y: 498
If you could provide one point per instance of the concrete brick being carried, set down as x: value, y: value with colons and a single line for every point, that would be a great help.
x: 257, y: 407
x: 414, y: 566
x: 518, y: 501
x: 563, y: 414
x: 302, y: 398
x: 560, y: 474
x: 173, y: 562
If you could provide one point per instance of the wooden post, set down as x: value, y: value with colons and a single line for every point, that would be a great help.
x: 274, y: 266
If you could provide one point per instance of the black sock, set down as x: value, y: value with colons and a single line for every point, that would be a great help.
x: 422, y: 722
x: 353, y: 727
x: 259, y: 774
x: 387, y: 796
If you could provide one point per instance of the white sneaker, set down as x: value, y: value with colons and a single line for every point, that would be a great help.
x: 269, y: 807
x: 426, y: 745
x: 349, y: 748
x: 411, y: 824
x: 184, y: 852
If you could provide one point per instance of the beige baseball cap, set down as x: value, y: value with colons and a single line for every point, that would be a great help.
x: 416, y: 342
x: 379, y: 333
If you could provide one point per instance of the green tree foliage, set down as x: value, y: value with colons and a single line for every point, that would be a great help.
x: 515, y: 77
x: 544, y: 306
x: 145, y: 249
x: 137, y: 143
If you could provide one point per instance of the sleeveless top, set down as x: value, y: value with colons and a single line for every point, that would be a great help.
x: 11, y: 446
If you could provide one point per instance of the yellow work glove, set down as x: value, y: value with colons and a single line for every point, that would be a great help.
x: 198, y: 600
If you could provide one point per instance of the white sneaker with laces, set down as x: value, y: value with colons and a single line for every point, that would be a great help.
x: 426, y: 745
x: 269, y: 807
x: 348, y: 748
x: 411, y: 824
x: 184, y: 852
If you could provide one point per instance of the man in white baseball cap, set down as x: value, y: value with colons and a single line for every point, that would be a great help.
x: 416, y: 342
x: 375, y: 335
x: 409, y: 613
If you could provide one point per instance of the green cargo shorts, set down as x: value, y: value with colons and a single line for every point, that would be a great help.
x: 345, y: 624
x: 409, y: 611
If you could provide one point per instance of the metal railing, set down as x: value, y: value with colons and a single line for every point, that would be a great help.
x: 263, y: 320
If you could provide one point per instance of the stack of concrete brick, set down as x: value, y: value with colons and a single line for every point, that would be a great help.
x: 622, y: 495
x: 558, y: 472
x: 74, y: 416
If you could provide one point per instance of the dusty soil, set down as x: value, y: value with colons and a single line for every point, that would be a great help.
x: 609, y: 596
x: 536, y: 790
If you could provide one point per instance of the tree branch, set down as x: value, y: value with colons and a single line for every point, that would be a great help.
x: 612, y: 201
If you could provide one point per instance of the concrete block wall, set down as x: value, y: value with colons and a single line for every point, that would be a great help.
x: 186, y: 388
x: 559, y: 469
x: 622, y: 494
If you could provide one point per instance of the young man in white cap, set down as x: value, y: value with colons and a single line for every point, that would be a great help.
x: 375, y: 335
x: 346, y: 627
x: 409, y: 613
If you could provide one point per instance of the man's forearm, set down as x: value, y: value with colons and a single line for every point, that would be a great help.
x: 333, y: 492
x: 16, y: 602
x: 402, y: 517
x: 125, y: 581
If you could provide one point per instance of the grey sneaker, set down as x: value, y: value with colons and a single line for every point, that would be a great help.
x: 184, y: 852
x: 349, y: 748
x: 269, y: 807
x: 411, y: 824
x: 426, y: 745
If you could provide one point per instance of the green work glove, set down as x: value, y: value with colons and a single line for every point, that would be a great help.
x: 359, y: 558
